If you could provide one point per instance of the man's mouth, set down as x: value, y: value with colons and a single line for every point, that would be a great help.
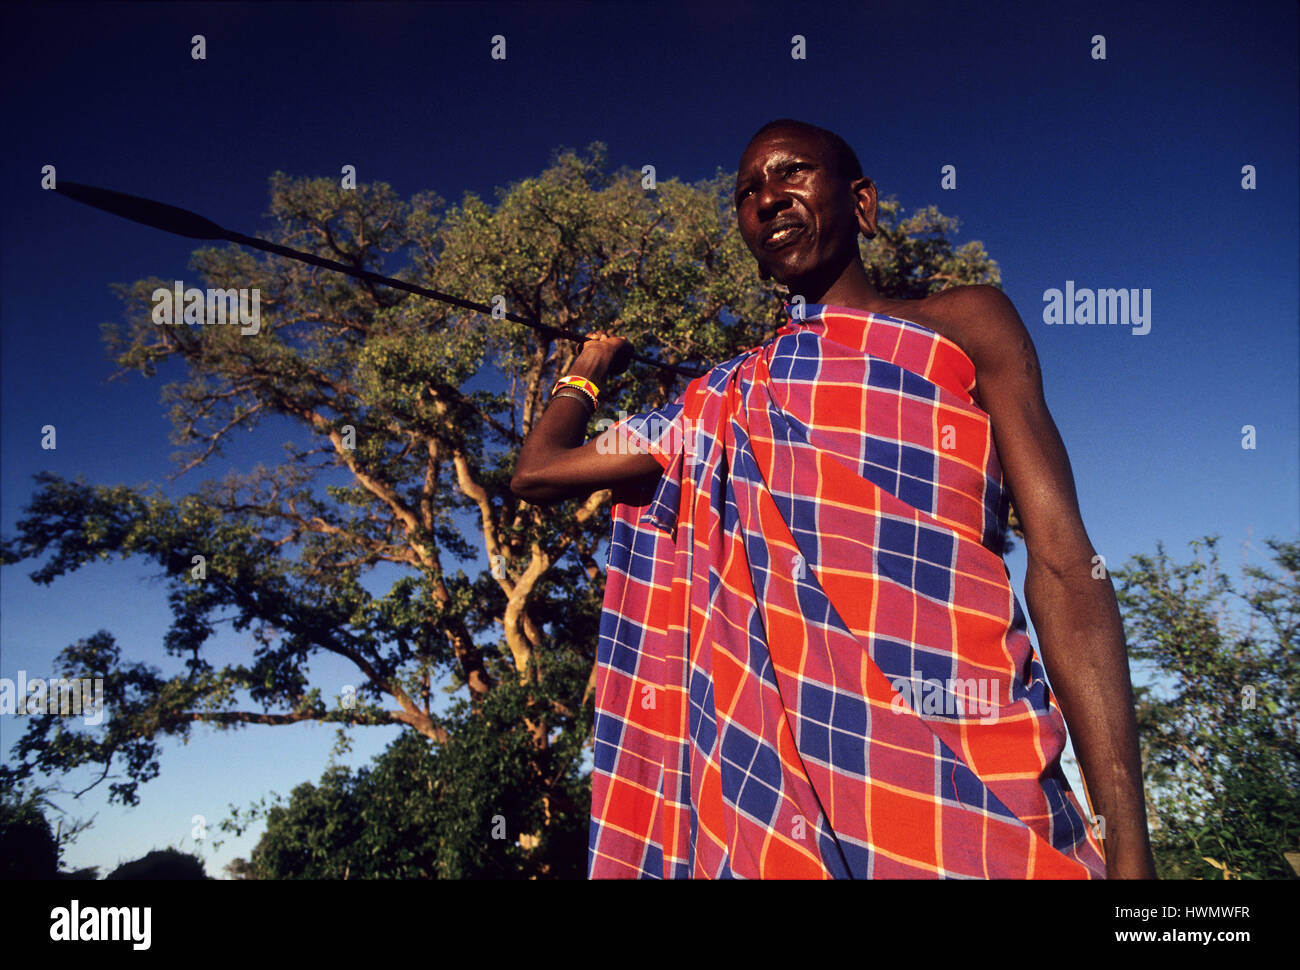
x: 782, y: 235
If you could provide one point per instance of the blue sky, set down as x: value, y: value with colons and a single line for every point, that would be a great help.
x: 1123, y: 172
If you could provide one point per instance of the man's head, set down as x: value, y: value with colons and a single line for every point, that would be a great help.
x: 808, y: 181
x: 844, y: 157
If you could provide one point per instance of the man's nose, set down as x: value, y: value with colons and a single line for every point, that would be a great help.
x: 771, y: 200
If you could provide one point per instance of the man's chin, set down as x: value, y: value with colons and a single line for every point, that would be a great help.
x: 794, y: 284
x: 779, y: 277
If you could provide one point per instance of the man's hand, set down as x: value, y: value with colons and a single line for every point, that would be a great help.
x: 616, y: 351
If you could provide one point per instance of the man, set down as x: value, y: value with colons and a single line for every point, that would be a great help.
x: 811, y: 661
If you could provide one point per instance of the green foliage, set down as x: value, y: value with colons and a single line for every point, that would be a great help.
x: 28, y: 849
x: 170, y: 864
x: 424, y: 811
x: 913, y: 258
x: 1218, y: 723
x: 313, y: 836
x: 240, y: 869
x: 29, y: 845
x: 413, y: 412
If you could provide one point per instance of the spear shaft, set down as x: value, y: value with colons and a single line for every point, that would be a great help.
x: 182, y: 222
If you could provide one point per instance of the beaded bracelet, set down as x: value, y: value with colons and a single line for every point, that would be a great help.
x: 586, y: 385
x: 567, y: 392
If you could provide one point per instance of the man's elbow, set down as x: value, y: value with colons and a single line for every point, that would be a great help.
x: 521, y: 486
x: 1069, y: 558
x: 532, y: 491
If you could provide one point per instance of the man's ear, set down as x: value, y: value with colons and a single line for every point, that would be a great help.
x: 864, y: 191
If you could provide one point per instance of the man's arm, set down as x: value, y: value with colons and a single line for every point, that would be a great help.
x: 1080, y: 632
x: 553, y: 464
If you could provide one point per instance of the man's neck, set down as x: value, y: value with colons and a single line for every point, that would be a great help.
x: 850, y: 289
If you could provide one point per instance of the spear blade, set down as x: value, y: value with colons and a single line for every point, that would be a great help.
x: 157, y: 215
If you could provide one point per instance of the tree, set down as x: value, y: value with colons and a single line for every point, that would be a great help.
x: 170, y: 864
x: 29, y: 847
x: 412, y: 814
x: 400, y: 455
x: 1220, y: 735
x: 240, y: 869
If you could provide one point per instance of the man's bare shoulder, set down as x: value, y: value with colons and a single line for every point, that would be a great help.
x: 983, y: 322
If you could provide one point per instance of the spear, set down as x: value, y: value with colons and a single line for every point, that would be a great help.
x: 182, y: 222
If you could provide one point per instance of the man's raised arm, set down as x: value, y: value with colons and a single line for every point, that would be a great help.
x: 554, y: 464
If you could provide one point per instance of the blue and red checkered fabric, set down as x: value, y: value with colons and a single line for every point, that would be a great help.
x: 811, y: 662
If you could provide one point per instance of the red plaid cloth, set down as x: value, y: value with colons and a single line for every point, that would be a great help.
x: 811, y: 662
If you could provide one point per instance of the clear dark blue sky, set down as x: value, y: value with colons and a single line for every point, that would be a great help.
x: 1117, y: 173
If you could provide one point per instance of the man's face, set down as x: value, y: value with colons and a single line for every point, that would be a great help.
x: 797, y: 214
